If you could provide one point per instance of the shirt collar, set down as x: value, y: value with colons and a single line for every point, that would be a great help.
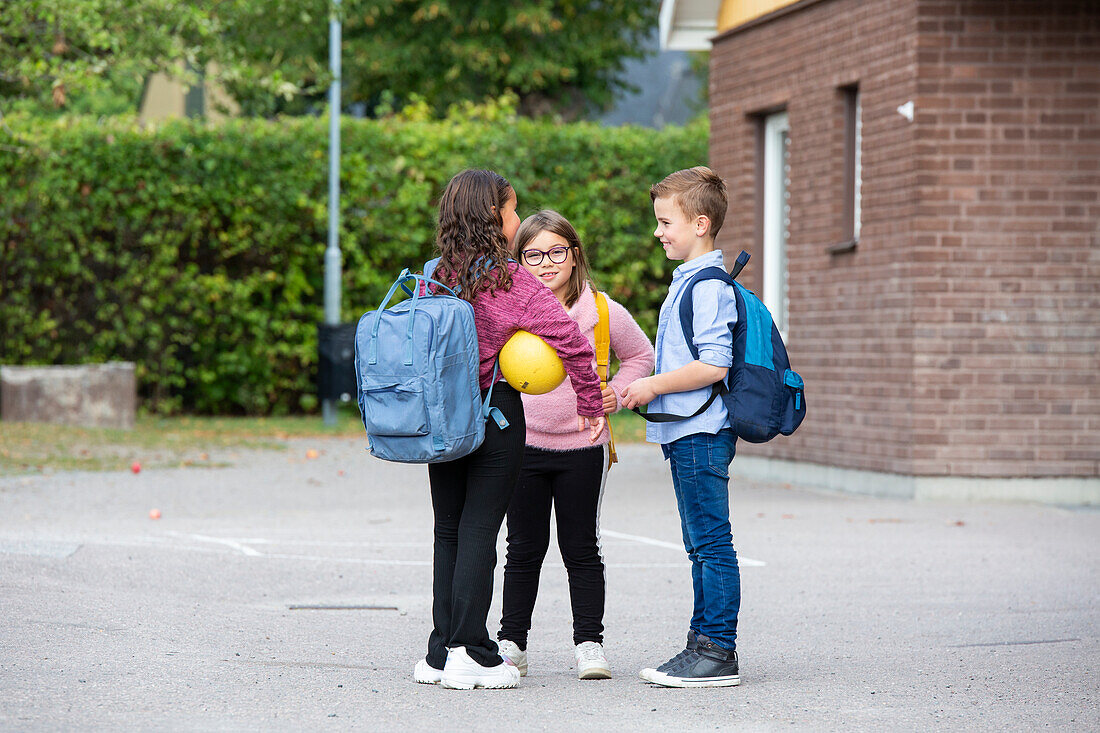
x: 710, y: 259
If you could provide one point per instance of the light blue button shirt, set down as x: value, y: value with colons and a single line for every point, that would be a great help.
x: 715, y: 313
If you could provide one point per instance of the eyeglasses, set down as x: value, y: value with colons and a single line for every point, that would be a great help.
x: 557, y: 255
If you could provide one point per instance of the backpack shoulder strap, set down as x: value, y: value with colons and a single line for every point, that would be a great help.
x: 687, y: 302
x: 687, y: 323
x: 603, y: 361
x: 603, y: 338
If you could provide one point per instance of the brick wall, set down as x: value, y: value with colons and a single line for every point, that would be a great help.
x: 1007, y: 299
x: 961, y: 337
x: 850, y: 332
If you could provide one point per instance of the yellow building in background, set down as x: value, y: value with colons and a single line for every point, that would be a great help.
x: 689, y: 25
x: 738, y: 12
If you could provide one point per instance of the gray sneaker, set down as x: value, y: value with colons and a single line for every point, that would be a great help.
x: 708, y: 665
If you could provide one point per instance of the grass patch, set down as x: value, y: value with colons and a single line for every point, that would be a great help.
x: 162, y: 442
x: 156, y: 442
x: 628, y: 427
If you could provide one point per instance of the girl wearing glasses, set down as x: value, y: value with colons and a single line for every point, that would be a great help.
x: 561, y: 467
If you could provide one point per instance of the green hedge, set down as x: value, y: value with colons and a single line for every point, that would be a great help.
x: 196, y: 250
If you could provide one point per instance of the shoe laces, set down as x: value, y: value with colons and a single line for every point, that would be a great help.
x: 590, y: 651
x: 676, y: 660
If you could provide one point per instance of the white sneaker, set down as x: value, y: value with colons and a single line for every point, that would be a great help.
x: 591, y: 663
x: 463, y: 673
x: 426, y: 674
x: 510, y: 650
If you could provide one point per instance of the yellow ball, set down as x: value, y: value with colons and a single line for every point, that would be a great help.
x: 530, y: 364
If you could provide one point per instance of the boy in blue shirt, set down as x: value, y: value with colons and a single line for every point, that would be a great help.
x: 689, y: 206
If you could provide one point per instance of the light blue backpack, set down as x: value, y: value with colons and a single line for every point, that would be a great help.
x: 417, y: 368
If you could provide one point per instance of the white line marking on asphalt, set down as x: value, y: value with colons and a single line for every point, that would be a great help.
x: 324, y: 543
x: 242, y: 545
x: 428, y: 563
x: 228, y: 543
x: 745, y: 561
x: 642, y: 540
x: 356, y: 560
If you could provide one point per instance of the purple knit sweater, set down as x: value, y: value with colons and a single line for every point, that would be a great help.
x: 551, y: 421
x: 530, y: 306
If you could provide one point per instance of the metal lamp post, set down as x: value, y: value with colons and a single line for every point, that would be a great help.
x: 332, y: 252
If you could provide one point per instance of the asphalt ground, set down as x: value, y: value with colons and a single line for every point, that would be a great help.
x: 289, y: 593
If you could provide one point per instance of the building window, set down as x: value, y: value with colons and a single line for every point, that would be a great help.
x: 853, y: 163
x: 776, y: 216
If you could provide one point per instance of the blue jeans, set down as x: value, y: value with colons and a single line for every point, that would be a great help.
x: 700, y: 476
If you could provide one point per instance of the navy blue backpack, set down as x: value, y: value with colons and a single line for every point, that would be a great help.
x: 763, y: 395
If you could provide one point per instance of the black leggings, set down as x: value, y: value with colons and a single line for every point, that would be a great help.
x: 573, y: 482
x: 469, y: 499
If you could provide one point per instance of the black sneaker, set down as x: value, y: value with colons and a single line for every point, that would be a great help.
x: 692, y: 645
x: 708, y: 665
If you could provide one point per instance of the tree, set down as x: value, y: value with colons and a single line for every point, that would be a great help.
x: 51, y: 50
x: 563, y: 56
x: 556, y: 55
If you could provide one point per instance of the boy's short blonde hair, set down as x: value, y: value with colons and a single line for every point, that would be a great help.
x: 698, y: 191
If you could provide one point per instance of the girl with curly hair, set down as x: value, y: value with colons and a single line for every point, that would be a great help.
x: 470, y: 495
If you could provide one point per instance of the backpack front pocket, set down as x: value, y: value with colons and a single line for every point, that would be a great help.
x: 794, y: 406
x: 395, y: 408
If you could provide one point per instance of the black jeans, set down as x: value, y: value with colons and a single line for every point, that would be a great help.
x: 469, y: 499
x: 573, y: 481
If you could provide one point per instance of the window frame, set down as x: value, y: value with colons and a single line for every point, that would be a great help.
x: 852, y: 209
x: 775, y: 212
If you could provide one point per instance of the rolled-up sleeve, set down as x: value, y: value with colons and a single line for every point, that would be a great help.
x: 715, y: 313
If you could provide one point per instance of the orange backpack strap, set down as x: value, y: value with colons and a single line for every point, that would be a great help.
x: 603, y: 362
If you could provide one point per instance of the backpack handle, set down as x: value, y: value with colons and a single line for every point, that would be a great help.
x: 426, y: 278
x: 404, y: 277
x: 739, y: 265
x: 424, y: 282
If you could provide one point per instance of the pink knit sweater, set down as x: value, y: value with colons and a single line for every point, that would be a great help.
x: 552, y: 417
x: 530, y: 306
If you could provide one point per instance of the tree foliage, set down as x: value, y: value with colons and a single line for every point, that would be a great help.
x: 53, y: 50
x: 557, y: 55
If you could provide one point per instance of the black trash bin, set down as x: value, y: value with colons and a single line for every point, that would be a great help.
x: 336, y: 361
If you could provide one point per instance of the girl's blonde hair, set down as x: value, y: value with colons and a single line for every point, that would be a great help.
x: 551, y: 221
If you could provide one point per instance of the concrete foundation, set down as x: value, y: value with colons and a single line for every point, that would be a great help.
x: 89, y: 395
x: 1068, y: 491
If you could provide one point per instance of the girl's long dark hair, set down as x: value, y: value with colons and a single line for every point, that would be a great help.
x: 473, y: 251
